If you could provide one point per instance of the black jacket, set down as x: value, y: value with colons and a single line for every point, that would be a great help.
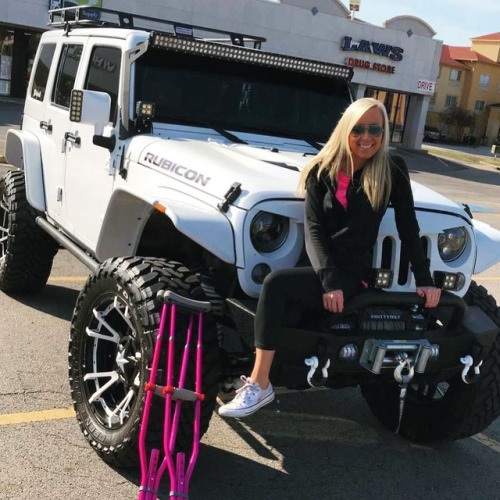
x: 340, y: 242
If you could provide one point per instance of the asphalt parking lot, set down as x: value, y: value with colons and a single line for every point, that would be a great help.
x: 307, y: 445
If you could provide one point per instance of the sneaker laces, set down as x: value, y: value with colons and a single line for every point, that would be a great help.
x: 249, y: 389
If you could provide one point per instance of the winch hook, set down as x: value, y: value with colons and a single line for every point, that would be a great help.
x: 404, y: 377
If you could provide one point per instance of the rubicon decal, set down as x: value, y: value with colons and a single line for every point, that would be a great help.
x: 180, y: 170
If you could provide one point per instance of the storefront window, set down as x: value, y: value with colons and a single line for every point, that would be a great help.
x: 6, y: 49
x: 396, y: 105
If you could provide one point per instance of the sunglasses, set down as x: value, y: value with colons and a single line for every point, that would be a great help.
x: 373, y: 130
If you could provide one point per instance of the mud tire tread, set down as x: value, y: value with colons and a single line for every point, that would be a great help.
x: 464, y: 411
x: 29, y: 251
x: 142, y: 278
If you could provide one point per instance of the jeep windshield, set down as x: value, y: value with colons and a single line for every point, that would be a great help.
x: 196, y: 90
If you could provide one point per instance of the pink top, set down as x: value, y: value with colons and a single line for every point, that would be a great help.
x: 341, y: 195
x: 342, y: 185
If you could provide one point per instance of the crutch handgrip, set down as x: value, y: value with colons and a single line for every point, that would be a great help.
x: 190, y: 304
x: 183, y: 394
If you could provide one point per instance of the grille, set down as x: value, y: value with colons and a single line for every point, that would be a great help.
x: 391, y: 254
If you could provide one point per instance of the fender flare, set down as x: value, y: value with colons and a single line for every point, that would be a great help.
x: 197, y: 220
x: 22, y: 149
x: 487, y: 244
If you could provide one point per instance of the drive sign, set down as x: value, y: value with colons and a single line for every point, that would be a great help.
x: 425, y: 86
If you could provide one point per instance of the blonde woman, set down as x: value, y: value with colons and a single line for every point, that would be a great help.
x: 348, y: 186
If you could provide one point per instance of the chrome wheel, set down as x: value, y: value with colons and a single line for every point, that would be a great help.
x: 112, y: 367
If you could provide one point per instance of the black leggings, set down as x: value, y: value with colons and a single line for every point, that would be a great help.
x: 283, y: 290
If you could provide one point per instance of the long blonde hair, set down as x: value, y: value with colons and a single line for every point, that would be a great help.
x: 336, y: 154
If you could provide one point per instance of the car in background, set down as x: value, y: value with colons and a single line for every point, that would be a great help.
x: 431, y: 134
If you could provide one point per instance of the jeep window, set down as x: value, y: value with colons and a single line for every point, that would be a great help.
x: 104, y: 74
x: 42, y: 71
x: 193, y: 89
x: 66, y: 74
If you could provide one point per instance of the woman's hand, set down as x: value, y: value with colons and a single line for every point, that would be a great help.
x: 431, y: 294
x: 333, y: 301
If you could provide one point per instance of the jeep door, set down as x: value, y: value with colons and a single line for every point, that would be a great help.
x: 54, y: 124
x: 89, y: 170
x: 36, y: 119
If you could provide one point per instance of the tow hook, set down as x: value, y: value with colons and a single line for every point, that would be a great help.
x: 468, y: 361
x: 313, y: 362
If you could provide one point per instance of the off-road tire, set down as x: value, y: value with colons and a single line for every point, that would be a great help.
x: 26, y: 251
x: 123, y: 292
x: 462, y: 411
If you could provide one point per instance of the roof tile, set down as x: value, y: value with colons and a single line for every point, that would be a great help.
x: 492, y: 36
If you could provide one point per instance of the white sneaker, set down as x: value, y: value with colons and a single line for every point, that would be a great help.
x: 248, y: 399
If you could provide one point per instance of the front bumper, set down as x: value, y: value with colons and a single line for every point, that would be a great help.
x: 357, y: 355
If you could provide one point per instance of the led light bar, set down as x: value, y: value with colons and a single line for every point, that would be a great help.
x: 249, y: 56
x: 75, y: 107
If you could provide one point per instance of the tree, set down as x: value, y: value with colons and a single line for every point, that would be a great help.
x: 458, y: 119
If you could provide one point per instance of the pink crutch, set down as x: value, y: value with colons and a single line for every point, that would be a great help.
x: 174, y: 396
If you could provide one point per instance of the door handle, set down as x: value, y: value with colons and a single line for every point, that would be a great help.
x: 68, y: 136
x: 46, y: 126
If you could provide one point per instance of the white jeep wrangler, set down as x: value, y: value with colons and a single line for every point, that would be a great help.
x: 166, y: 161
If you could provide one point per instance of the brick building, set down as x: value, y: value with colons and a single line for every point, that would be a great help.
x: 469, y: 77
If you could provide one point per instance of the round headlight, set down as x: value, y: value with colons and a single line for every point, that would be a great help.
x: 451, y: 243
x: 268, y: 231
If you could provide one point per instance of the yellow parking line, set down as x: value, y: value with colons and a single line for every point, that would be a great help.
x: 36, y: 416
x: 486, y: 278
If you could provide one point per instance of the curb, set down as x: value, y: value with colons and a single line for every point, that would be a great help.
x: 412, y: 151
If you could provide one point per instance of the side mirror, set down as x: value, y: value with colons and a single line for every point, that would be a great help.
x: 90, y: 107
x: 93, y: 108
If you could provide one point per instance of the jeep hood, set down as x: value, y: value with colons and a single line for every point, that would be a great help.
x: 264, y: 173
x: 213, y: 167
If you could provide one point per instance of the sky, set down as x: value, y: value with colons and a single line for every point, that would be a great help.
x: 454, y: 21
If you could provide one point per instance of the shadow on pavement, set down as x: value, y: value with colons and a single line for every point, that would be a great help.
x: 327, y: 445
x: 54, y: 300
